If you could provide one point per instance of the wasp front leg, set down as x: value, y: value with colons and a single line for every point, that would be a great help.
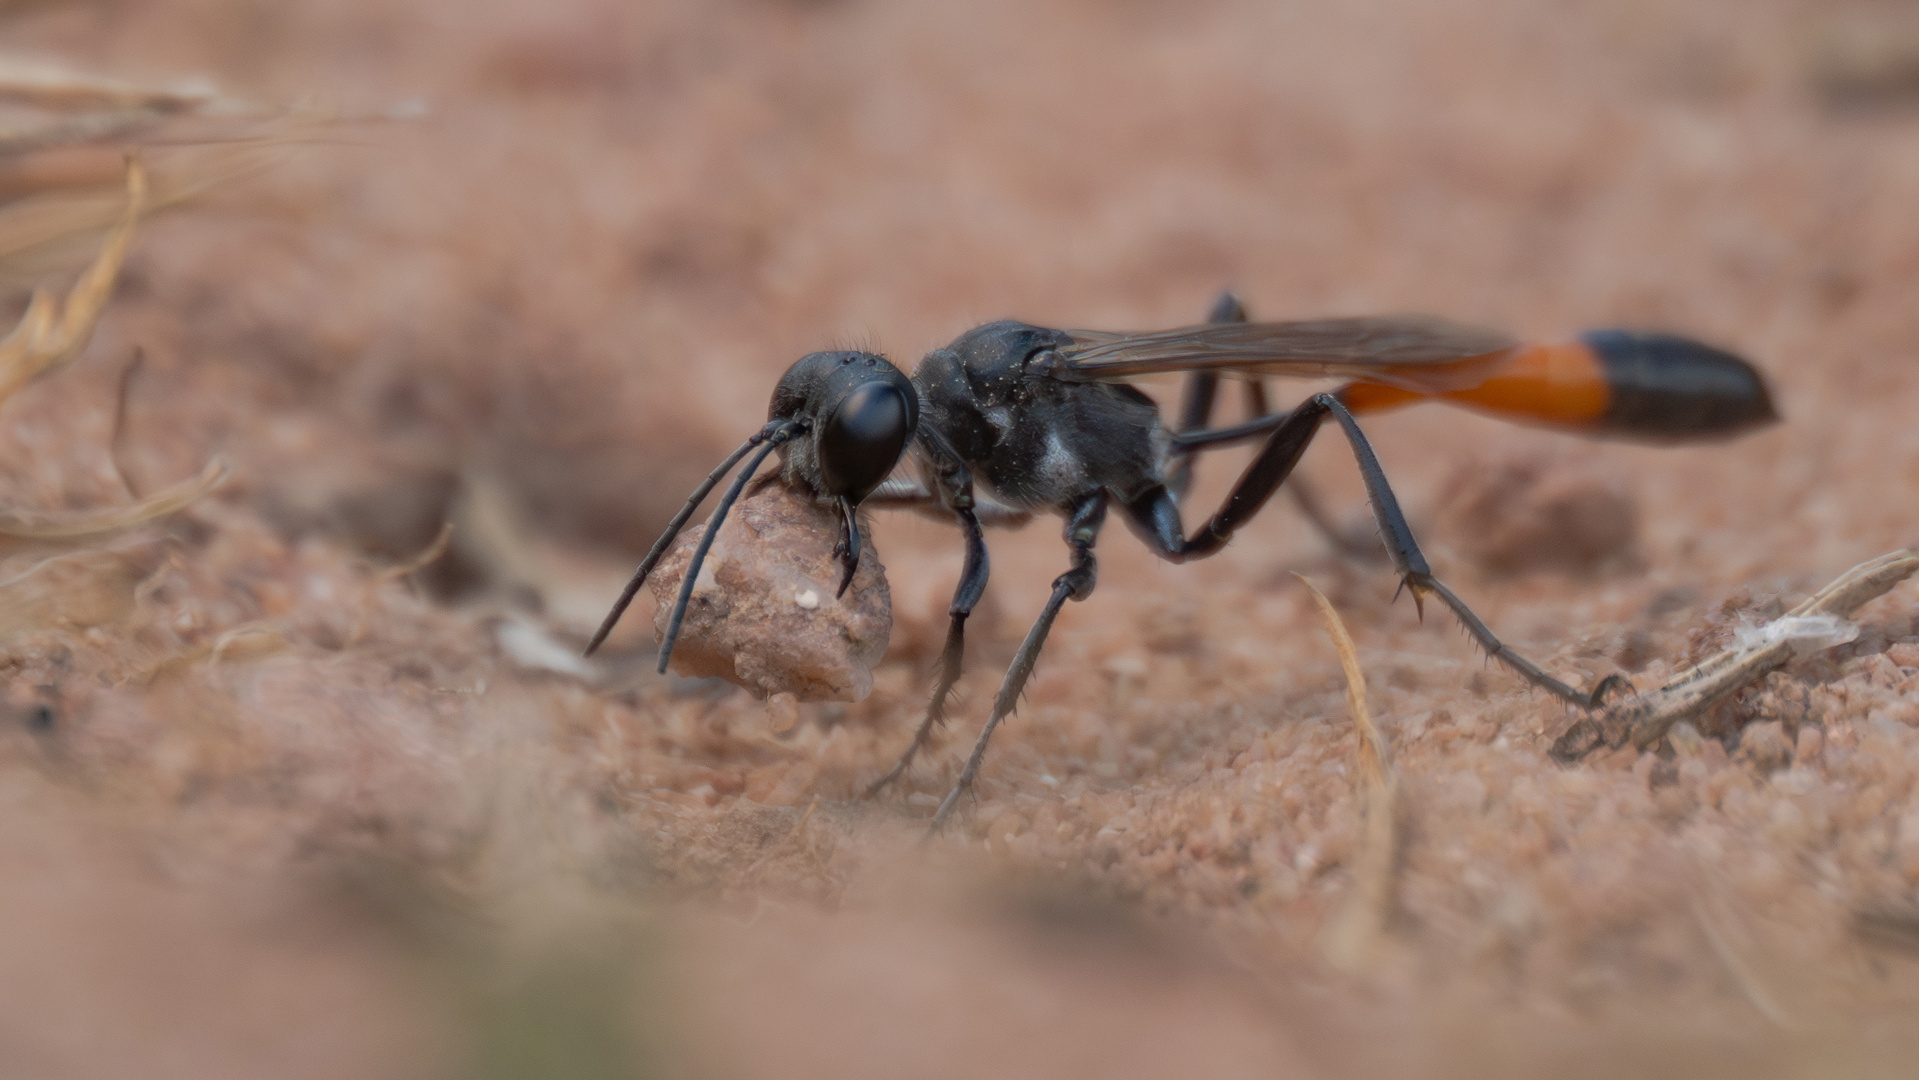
x: 956, y: 484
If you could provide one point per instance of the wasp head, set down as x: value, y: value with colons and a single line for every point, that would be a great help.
x: 858, y: 411
x: 840, y: 421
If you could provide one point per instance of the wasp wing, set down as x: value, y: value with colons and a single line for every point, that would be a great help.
x: 1421, y: 353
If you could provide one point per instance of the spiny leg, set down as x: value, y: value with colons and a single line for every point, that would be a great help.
x: 1157, y: 513
x: 1305, y: 497
x: 1417, y: 577
x: 1196, y: 411
x: 1500, y: 651
x: 972, y: 585
x: 955, y: 484
x: 1082, y: 531
x: 1187, y: 442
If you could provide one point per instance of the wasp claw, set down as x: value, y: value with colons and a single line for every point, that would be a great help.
x: 848, y: 549
x: 1407, y: 584
x: 1614, y: 685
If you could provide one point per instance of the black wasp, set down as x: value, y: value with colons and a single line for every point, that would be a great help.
x: 1012, y: 419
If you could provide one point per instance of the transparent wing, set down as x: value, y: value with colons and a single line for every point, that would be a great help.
x: 1417, y: 352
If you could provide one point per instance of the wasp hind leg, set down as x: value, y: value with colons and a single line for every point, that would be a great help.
x: 1193, y: 436
x: 1157, y: 514
x: 1196, y: 404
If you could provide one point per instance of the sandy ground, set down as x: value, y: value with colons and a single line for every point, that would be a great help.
x: 278, y: 811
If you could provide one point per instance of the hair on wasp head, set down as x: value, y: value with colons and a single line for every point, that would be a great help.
x: 841, y: 421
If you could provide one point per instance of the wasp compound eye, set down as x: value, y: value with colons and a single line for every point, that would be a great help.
x: 862, y: 439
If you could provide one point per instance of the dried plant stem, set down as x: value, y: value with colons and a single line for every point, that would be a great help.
x: 427, y: 557
x: 385, y: 576
x: 1742, y: 976
x: 53, y: 330
x: 41, y: 83
x: 1353, y: 941
x: 117, y: 446
x: 1645, y: 718
x: 20, y: 529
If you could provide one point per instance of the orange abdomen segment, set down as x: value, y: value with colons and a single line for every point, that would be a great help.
x: 1562, y: 384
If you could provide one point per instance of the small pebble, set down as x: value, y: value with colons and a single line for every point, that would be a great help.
x: 765, y: 615
x: 1685, y: 739
x: 1765, y: 745
x: 1811, y: 742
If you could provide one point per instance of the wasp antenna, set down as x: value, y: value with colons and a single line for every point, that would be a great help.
x: 772, y: 442
x: 672, y: 531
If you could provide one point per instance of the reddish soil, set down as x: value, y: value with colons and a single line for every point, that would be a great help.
x: 278, y: 811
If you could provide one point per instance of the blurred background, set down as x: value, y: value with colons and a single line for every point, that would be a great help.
x: 283, y: 806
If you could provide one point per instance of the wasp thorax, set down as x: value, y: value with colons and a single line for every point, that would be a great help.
x: 860, y: 413
x: 996, y: 358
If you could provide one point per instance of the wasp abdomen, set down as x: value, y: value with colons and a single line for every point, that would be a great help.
x: 1662, y: 386
x: 1656, y: 387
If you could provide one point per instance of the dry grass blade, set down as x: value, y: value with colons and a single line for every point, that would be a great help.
x: 117, y: 445
x: 1374, y: 761
x: 427, y: 557
x: 249, y: 642
x: 53, y: 331
x: 66, y: 593
x: 52, y: 228
x: 389, y: 574
x: 1645, y: 718
x: 1893, y: 925
x: 1353, y: 941
x: 23, y: 530
x: 1742, y: 975
x: 71, y: 130
x: 38, y: 82
x: 63, y: 135
x: 76, y: 107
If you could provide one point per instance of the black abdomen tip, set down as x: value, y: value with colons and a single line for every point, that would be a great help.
x: 1670, y: 388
